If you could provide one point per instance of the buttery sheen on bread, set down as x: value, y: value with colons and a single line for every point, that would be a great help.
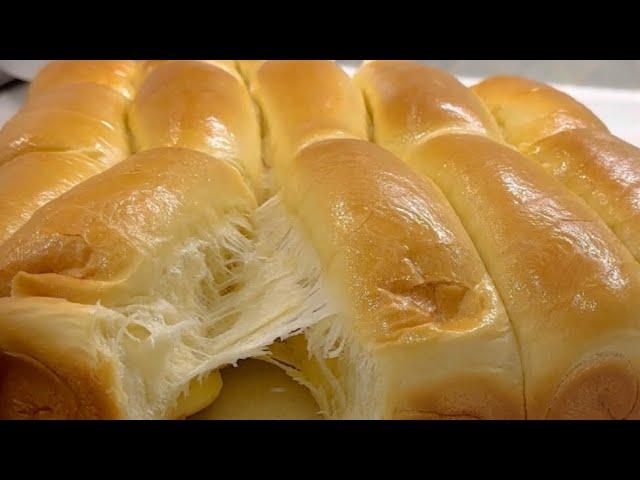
x: 413, y: 102
x: 199, y: 105
x: 65, y: 133
x: 119, y: 75
x: 528, y: 111
x: 570, y: 288
x: 572, y: 144
x: 303, y: 102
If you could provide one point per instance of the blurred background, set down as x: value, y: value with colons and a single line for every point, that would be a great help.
x: 600, y: 73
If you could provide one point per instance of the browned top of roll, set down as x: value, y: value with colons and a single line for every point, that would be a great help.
x: 411, y: 102
x: 116, y: 74
x: 528, y: 111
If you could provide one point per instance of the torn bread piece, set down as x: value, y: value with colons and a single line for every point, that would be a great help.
x: 148, y: 258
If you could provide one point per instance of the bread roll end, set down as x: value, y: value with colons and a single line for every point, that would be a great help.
x: 603, y: 387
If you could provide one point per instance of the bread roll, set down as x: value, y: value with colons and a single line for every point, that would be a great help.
x: 58, y: 139
x: 198, y: 105
x: 147, y: 66
x: 408, y: 323
x: 528, y: 111
x: 303, y: 102
x: 58, y: 125
x: 571, y: 289
x: 604, y: 171
x: 413, y: 102
x: 122, y: 333
x: 574, y: 146
x: 33, y: 179
x: 119, y: 75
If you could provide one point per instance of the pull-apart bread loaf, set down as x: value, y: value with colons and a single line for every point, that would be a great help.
x: 409, y: 324
x: 434, y: 272
x: 571, y: 143
x: 71, y: 128
x: 570, y: 287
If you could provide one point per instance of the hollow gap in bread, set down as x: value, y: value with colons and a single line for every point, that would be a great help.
x: 250, y: 281
x: 369, y: 115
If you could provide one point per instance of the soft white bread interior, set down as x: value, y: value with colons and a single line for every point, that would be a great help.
x: 572, y: 144
x: 199, y: 105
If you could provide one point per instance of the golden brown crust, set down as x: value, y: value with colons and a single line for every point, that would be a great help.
x: 51, y: 363
x: 573, y: 145
x: 465, y: 397
x: 394, y: 234
x: 417, y: 293
x: 61, y: 137
x: 604, y: 171
x: 197, y: 105
x: 90, y: 99
x: 148, y: 66
x: 87, y: 244
x: 605, y: 387
x: 411, y: 102
x: 116, y: 74
x: 528, y: 111
x: 570, y: 287
x: 31, y: 180
x: 303, y: 102
x: 80, y: 118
